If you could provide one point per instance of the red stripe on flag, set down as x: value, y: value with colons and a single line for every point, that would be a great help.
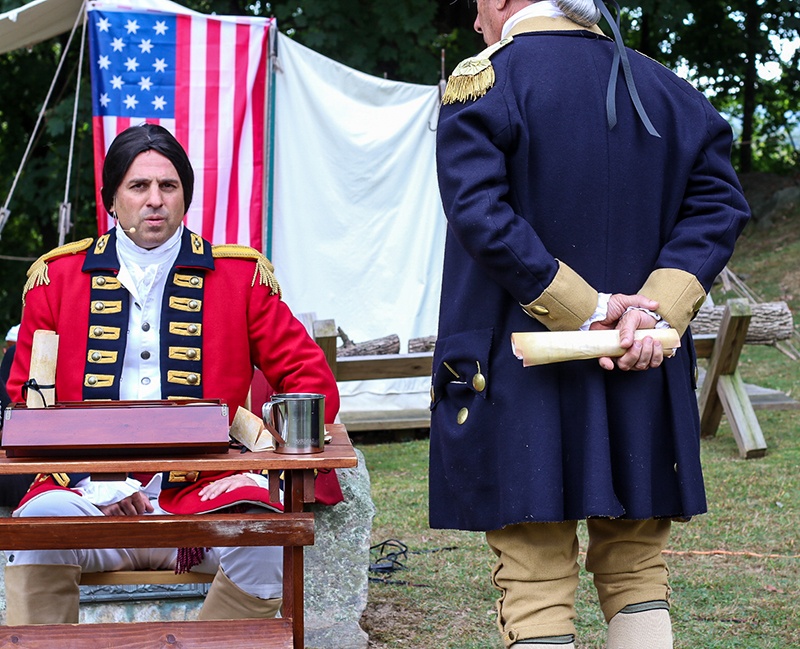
x: 183, y: 64
x: 99, y: 156
x: 211, y: 162
x: 239, y: 114
x: 259, y: 126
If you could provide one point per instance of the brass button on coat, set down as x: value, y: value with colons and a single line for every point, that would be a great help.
x: 98, y: 331
x: 99, y: 306
x: 101, y: 281
x: 540, y: 310
x: 192, y: 328
x: 191, y: 353
x: 479, y: 382
x: 462, y: 415
x: 698, y: 303
x: 96, y: 356
x: 192, y: 379
x: 91, y: 380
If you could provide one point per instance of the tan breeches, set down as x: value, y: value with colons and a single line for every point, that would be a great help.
x: 537, y: 571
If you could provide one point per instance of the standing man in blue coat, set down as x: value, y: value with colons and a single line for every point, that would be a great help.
x: 586, y: 187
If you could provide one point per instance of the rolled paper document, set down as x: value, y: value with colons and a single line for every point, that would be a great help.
x: 44, y: 353
x: 543, y: 347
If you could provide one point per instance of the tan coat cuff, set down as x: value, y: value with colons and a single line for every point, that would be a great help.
x: 566, y: 304
x: 678, y: 293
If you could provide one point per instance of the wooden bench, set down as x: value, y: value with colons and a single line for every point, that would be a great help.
x: 723, y: 390
x: 292, y: 530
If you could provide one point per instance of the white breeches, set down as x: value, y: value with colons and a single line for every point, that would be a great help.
x: 257, y: 570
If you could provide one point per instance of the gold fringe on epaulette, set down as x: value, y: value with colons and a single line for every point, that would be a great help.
x: 264, y: 269
x: 38, y: 273
x: 473, y: 77
x: 465, y: 87
x: 37, y: 276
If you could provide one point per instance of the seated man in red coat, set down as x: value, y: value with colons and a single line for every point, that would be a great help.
x: 151, y: 310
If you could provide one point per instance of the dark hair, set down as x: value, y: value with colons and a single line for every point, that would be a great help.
x: 138, y: 139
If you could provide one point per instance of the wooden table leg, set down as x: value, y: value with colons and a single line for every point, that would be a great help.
x: 293, y: 600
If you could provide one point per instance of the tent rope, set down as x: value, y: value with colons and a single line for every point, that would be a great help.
x: 4, y: 211
x: 64, y: 220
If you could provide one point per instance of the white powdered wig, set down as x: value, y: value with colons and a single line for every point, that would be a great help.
x: 583, y: 12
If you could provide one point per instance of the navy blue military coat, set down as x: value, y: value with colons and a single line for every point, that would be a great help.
x: 534, y: 183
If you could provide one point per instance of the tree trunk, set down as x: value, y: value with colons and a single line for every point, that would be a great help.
x: 752, y: 35
x: 424, y: 344
x: 386, y: 345
x: 771, y: 322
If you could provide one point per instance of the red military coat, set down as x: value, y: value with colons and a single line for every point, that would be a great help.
x: 222, y: 314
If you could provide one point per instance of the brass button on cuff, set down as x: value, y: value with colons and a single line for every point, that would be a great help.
x: 538, y: 309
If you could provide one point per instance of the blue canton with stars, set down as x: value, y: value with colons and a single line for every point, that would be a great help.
x: 133, y: 64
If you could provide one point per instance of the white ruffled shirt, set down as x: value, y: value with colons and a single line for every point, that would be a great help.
x: 144, y: 273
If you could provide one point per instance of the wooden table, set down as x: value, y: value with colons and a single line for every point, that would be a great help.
x: 292, y: 529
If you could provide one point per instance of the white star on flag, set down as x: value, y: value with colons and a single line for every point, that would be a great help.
x: 130, y: 101
x: 117, y: 44
x: 160, y: 27
x: 132, y: 26
x: 160, y: 65
x: 103, y: 24
x: 131, y: 64
x: 146, y: 45
x: 159, y: 102
x: 103, y: 62
x: 117, y: 82
x: 145, y: 83
x: 104, y: 100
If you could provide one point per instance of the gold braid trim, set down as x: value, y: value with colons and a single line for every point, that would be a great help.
x: 37, y: 273
x: 264, y: 269
x: 473, y: 77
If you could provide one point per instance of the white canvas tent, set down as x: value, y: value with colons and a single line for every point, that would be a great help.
x: 358, y: 228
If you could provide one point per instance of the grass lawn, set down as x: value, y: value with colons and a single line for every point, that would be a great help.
x: 735, y: 571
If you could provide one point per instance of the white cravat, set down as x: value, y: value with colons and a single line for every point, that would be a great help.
x: 544, y: 8
x: 144, y: 273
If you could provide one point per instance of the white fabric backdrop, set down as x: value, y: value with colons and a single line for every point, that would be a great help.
x: 358, y: 222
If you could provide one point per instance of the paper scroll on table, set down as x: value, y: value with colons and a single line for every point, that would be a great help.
x: 44, y: 354
x: 543, y: 347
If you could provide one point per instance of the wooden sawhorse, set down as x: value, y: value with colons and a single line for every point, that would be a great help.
x: 723, y: 389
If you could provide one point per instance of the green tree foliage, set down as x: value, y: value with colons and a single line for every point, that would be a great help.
x: 723, y: 47
x: 719, y: 45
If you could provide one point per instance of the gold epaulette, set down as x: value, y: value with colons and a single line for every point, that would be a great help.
x: 37, y: 273
x: 473, y: 77
x: 264, y: 269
